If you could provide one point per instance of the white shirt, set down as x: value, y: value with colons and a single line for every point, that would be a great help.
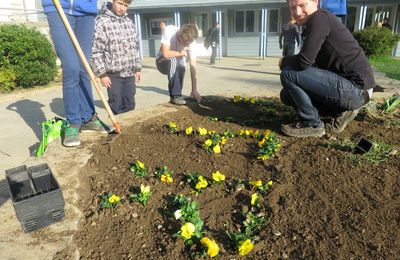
x: 168, y: 37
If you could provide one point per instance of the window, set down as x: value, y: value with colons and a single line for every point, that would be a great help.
x: 273, y: 21
x: 201, y: 21
x: 155, y: 29
x: 245, y: 21
x: 351, y: 18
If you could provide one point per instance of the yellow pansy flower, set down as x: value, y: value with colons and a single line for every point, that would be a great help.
x: 218, y: 177
x: 269, y: 183
x: 248, y: 132
x: 261, y: 142
x: 207, y: 143
x: 202, y: 131
x: 187, y: 230
x: 167, y: 178
x: 266, y: 133
x: 241, y: 132
x: 223, y: 140
x: 252, y: 100
x: 144, y: 189
x: 140, y: 164
x: 246, y: 100
x: 254, y: 199
x: 263, y: 157
x: 172, y: 124
x: 256, y: 133
x: 212, y: 247
x: 202, y: 183
x: 237, y: 99
x: 114, y: 199
x: 217, y: 148
x: 189, y: 130
x: 245, y: 247
x: 257, y: 183
x: 210, y: 132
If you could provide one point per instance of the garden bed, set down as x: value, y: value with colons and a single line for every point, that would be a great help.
x: 325, y: 202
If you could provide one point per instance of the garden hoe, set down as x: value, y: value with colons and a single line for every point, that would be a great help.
x: 114, y: 133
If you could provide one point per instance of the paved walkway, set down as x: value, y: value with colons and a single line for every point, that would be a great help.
x: 20, y: 134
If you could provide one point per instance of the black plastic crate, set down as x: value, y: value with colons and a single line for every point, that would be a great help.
x: 36, y: 196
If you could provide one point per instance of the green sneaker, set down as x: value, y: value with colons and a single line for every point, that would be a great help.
x: 71, y: 137
x: 94, y: 126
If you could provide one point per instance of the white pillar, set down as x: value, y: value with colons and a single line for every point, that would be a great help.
x: 263, y: 35
x: 177, y: 18
x: 218, y: 17
x: 363, y: 14
x: 139, y: 30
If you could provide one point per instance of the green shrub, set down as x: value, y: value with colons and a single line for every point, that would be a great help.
x: 376, y: 41
x: 28, y: 54
x: 7, y: 79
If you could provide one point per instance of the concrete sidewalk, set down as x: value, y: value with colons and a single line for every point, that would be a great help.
x: 20, y: 134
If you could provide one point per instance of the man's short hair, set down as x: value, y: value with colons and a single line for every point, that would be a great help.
x: 189, y: 32
x: 126, y: 1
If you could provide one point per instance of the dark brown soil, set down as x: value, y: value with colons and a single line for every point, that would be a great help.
x: 322, y: 204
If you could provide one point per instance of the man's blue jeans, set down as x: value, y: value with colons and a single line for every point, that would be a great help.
x: 314, y: 90
x: 77, y: 89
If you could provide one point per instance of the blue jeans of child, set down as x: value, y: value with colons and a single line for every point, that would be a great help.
x: 315, y: 90
x: 77, y: 89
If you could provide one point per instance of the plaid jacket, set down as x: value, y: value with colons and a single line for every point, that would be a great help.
x: 115, y: 46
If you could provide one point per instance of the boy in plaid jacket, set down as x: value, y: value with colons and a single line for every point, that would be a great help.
x: 115, y: 56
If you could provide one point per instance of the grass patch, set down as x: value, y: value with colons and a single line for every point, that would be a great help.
x: 388, y: 65
x: 379, y: 153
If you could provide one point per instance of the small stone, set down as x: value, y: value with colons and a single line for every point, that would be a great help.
x: 294, y: 237
x: 327, y: 158
x: 134, y: 215
x: 144, y: 245
x: 114, y: 168
x: 277, y: 233
x: 284, y: 255
x: 159, y: 227
x: 93, y: 224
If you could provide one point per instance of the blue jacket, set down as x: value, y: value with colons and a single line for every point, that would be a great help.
x: 72, y: 7
x: 337, y: 7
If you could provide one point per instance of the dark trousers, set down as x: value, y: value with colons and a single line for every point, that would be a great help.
x: 288, y: 48
x: 175, y: 69
x: 213, y: 52
x: 313, y: 90
x: 121, y: 95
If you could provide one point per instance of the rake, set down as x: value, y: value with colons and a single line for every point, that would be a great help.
x: 85, y: 63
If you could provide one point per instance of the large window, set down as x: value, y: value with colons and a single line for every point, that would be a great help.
x: 245, y: 21
x: 155, y: 29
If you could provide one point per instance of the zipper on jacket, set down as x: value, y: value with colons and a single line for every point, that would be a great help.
x: 71, y: 7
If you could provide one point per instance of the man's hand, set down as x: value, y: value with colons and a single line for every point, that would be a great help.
x: 105, y: 81
x: 194, y: 94
x: 138, y: 77
x: 184, y: 53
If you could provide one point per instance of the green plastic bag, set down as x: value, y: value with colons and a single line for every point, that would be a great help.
x: 51, y: 130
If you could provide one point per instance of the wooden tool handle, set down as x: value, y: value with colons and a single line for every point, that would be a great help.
x: 86, y: 64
